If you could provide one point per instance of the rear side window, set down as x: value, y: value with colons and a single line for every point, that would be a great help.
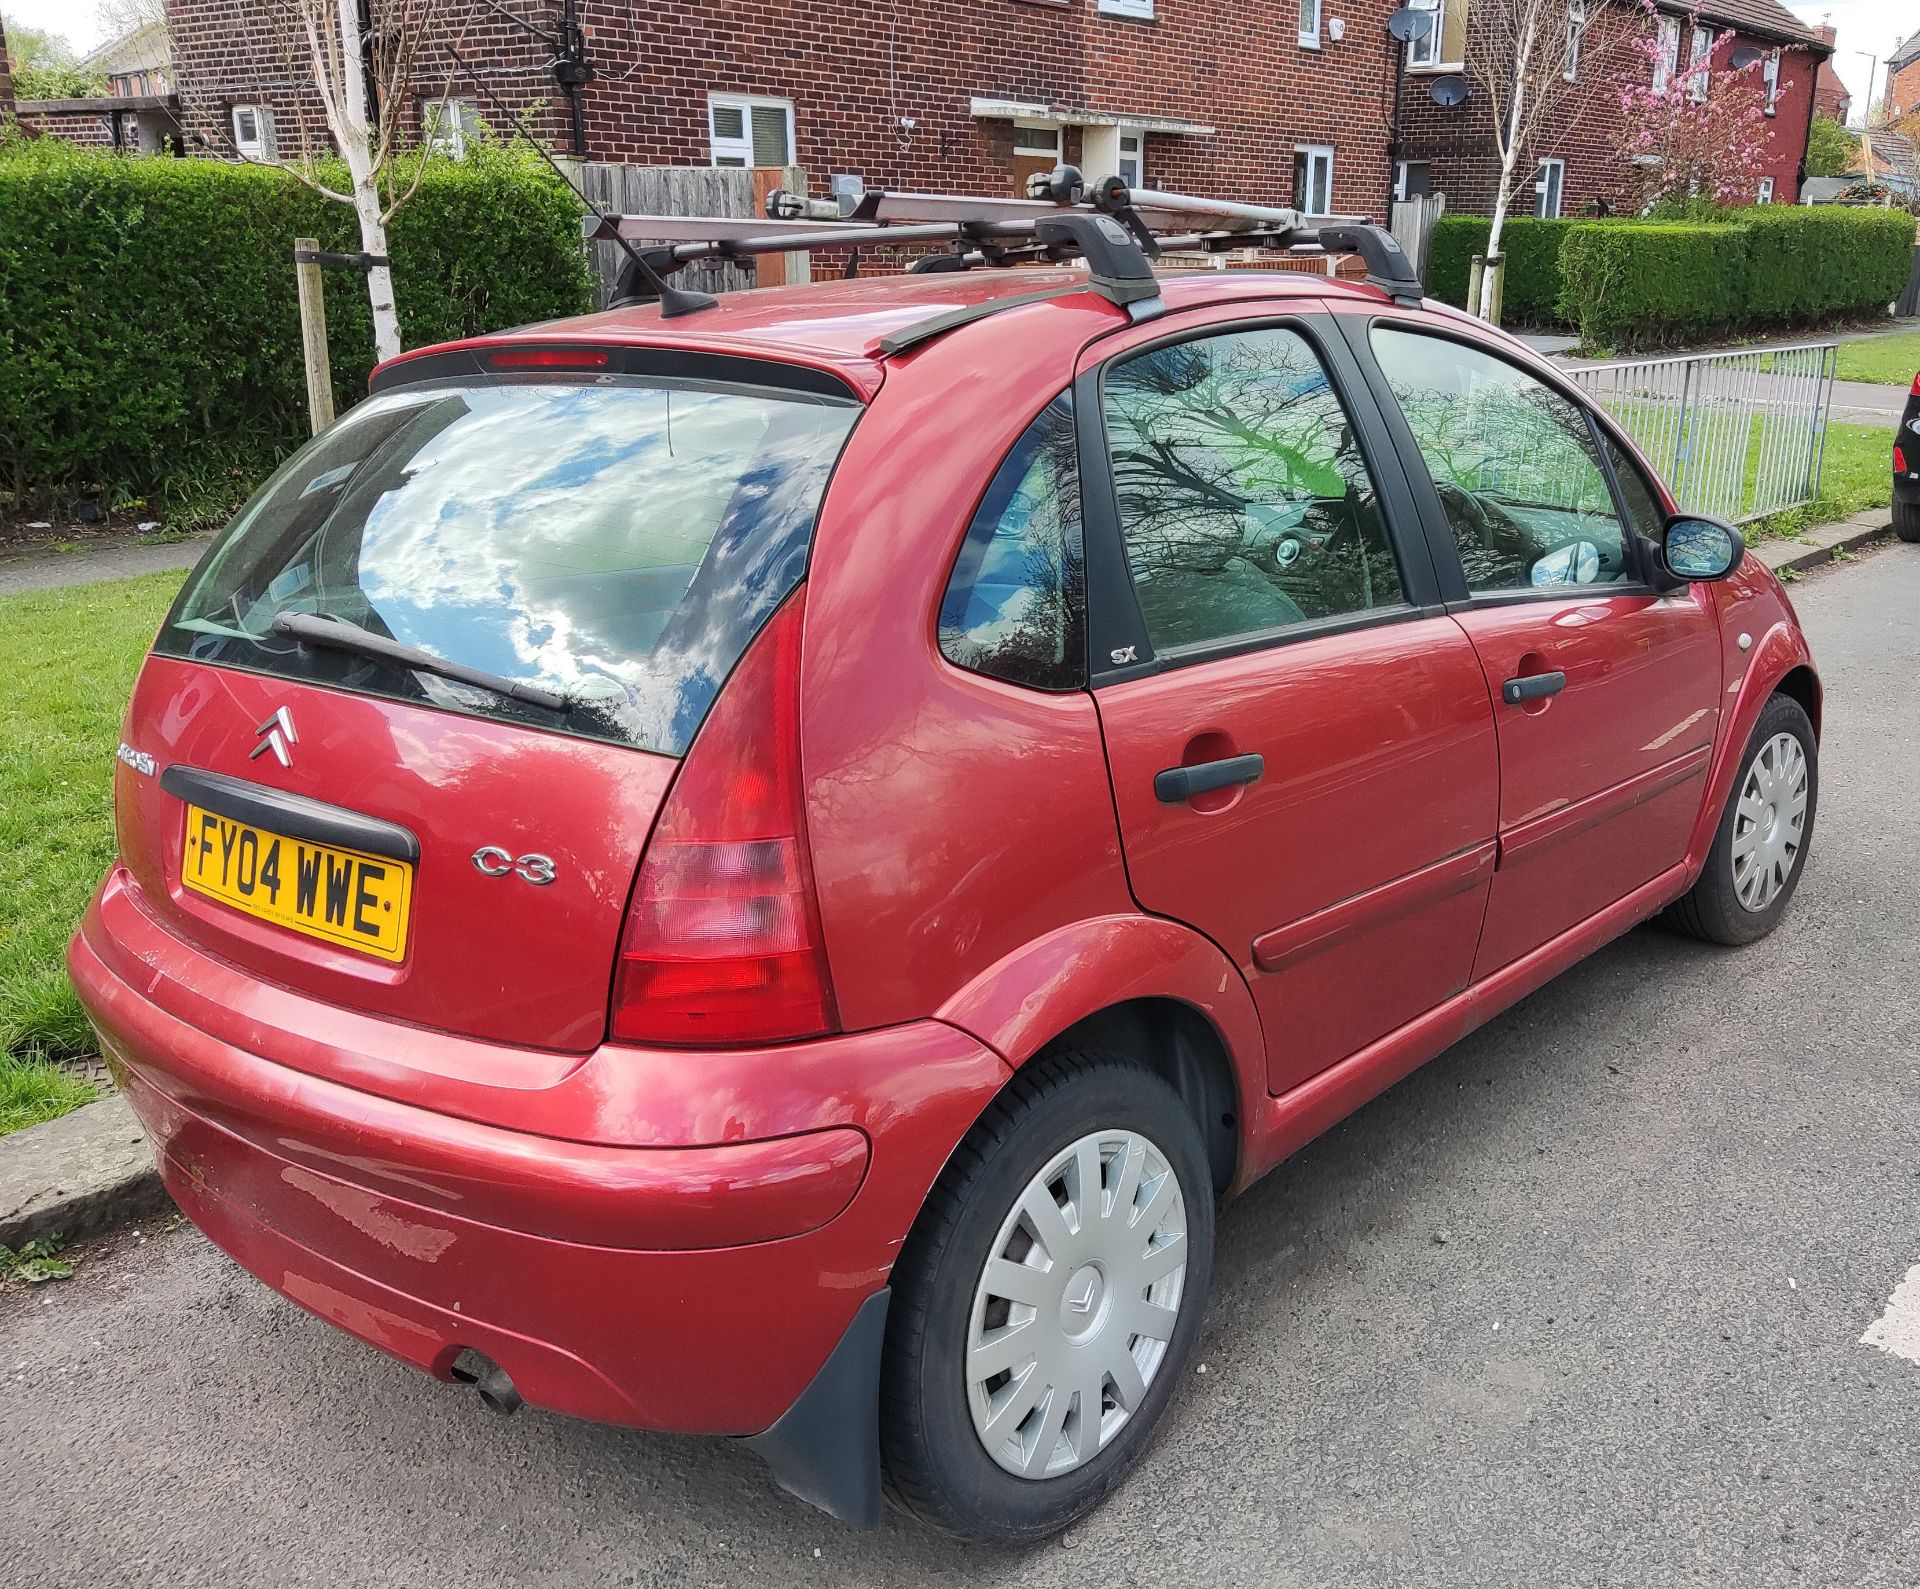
x: 1015, y: 607
x: 1244, y: 501
x: 617, y: 543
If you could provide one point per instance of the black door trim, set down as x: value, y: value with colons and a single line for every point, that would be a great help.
x: 291, y: 815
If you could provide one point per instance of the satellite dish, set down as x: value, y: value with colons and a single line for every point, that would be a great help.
x: 1449, y: 90
x: 1407, y: 24
x: 1746, y: 56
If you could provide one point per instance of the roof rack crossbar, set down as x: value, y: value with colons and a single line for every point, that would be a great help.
x: 1116, y: 229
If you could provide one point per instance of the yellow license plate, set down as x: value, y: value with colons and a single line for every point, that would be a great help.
x: 339, y: 896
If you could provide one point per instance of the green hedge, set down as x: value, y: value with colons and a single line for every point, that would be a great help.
x: 1806, y: 263
x: 1646, y: 282
x: 149, y: 333
x: 1532, y: 292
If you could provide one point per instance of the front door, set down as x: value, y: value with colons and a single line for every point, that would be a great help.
x: 1302, y: 751
x: 1606, y: 691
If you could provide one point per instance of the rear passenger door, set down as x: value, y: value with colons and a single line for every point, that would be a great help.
x: 1606, y: 690
x: 1300, y: 741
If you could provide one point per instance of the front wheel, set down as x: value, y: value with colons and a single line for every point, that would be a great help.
x: 1047, y: 1301
x: 1760, y: 847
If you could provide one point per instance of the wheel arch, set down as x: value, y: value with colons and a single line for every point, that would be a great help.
x: 1152, y: 989
x: 1781, y: 664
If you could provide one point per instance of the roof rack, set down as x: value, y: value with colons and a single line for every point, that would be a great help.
x: 1118, y: 230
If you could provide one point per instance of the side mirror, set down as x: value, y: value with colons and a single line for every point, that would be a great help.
x: 1693, y: 548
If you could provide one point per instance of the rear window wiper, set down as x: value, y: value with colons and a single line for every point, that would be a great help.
x: 343, y: 636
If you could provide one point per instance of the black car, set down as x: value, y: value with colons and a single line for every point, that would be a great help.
x: 1906, y: 470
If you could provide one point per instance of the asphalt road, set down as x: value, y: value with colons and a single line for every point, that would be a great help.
x: 1579, y: 1303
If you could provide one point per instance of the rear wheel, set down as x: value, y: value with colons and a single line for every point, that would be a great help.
x: 1906, y: 520
x: 1047, y: 1301
x: 1761, y: 844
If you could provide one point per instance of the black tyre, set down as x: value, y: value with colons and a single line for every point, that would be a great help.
x: 1047, y: 1302
x: 1906, y: 520
x: 1760, y: 847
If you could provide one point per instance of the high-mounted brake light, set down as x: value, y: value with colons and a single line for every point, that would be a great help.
x: 723, y: 943
x: 550, y: 359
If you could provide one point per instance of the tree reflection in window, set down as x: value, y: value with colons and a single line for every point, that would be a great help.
x: 1244, y: 501
x: 1512, y: 460
x: 1015, y: 606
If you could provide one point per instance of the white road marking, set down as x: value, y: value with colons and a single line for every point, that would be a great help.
x: 1897, y: 1330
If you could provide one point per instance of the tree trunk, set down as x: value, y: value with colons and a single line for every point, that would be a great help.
x: 356, y: 145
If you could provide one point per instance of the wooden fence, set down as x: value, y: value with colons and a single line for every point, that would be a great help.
x: 685, y: 190
x: 1412, y: 227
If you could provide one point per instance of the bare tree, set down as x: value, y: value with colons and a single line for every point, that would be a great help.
x: 1524, y: 56
x: 364, y: 84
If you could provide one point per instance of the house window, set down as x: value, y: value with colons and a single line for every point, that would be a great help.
x: 1666, y: 64
x: 750, y: 132
x: 454, y: 122
x: 1412, y: 179
x: 1576, y: 25
x: 1127, y: 8
x: 1313, y: 178
x: 1131, y: 167
x: 1771, y: 73
x: 1309, y: 24
x: 1426, y: 50
x: 1036, y: 140
x: 1699, y: 64
x: 253, y: 132
x: 1547, y: 183
x: 1765, y: 195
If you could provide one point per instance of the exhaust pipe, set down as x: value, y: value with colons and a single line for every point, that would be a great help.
x: 493, y: 1383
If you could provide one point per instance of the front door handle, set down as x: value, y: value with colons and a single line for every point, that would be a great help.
x: 1533, y: 687
x: 1175, y: 784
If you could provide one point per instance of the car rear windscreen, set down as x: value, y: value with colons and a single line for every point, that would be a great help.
x: 616, y: 542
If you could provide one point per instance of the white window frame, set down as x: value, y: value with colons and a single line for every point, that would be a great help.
x: 1139, y: 9
x: 1576, y: 26
x: 738, y: 152
x: 1318, y: 155
x: 1700, y: 63
x: 1666, y: 61
x: 1429, y: 54
x: 454, y: 120
x: 1765, y: 195
x: 1311, y: 22
x: 1549, y: 183
x: 1030, y: 127
x: 1770, y: 75
x: 1138, y: 159
x: 260, y: 146
x: 1402, y: 170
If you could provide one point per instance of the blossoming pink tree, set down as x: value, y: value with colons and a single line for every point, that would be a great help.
x: 1693, y: 130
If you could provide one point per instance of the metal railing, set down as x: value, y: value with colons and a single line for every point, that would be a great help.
x: 1736, y: 435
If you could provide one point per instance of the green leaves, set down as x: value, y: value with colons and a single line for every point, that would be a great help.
x: 36, y: 1261
x: 149, y: 331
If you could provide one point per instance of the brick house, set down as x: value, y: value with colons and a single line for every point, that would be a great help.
x: 1450, y: 149
x: 1903, y: 79
x: 1831, y: 97
x: 1281, y: 103
x: 134, y: 116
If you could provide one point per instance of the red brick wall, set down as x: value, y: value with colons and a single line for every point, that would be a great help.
x: 1830, y: 95
x: 1458, y: 142
x: 854, y: 69
x: 88, y: 130
x: 1903, y: 89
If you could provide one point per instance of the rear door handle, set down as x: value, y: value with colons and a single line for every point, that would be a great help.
x: 1176, y: 784
x: 1534, y: 687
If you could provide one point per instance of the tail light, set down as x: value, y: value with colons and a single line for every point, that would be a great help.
x: 1899, y: 459
x: 1916, y: 386
x: 722, y: 943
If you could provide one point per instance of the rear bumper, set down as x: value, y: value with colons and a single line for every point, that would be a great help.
x: 695, y: 1286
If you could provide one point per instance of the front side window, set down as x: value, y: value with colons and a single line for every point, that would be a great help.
x: 750, y: 132
x: 617, y: 545
x: 1015, y: 607
x: 1245, y: 504
x: 1645, y: 516
x: 1513, y: 463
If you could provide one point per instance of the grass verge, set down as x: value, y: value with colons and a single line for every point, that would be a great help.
x: 1885, y: 361
x: 1856, y: 474
x: 69, y: 657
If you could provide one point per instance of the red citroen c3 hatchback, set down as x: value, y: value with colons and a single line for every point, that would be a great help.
x: 760, y: 873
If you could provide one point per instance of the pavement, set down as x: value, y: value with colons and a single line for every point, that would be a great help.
x: 1579, y: 1303
x: 42, y: 570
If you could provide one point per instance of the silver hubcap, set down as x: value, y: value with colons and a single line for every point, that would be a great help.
x: 1076, y: 1304
x: 1769, y: 821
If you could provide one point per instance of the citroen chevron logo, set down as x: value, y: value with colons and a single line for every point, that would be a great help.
x: 277, y: 734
